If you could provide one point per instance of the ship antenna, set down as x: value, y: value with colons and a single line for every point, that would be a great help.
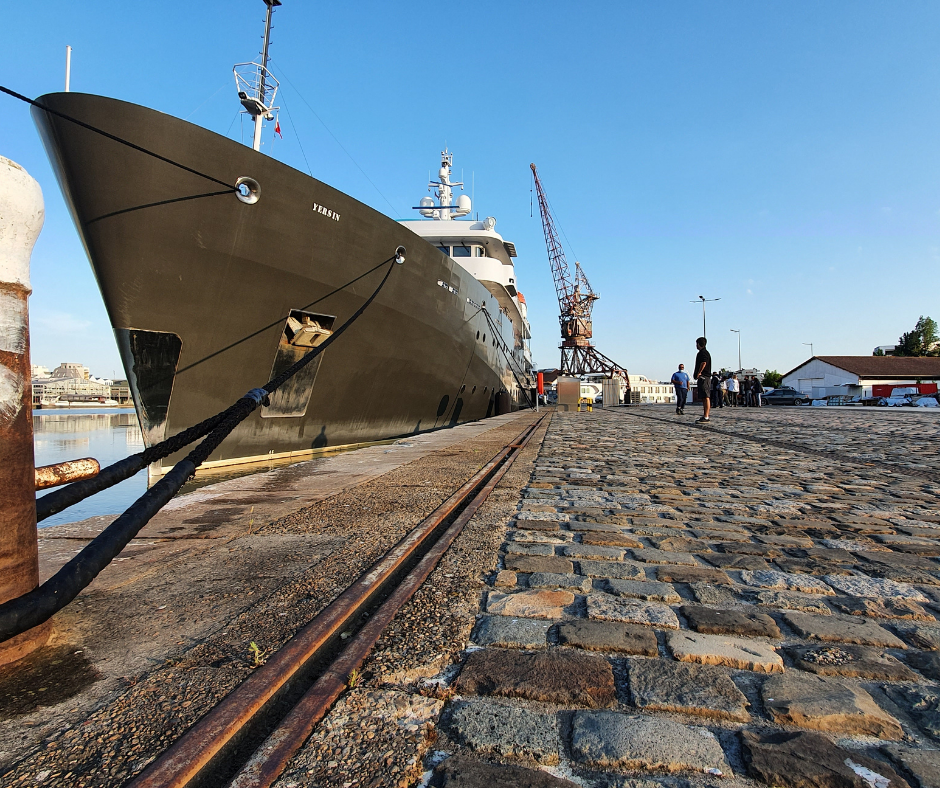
x: 257, y: 86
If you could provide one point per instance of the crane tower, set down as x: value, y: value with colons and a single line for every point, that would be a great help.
x: 575, y: 302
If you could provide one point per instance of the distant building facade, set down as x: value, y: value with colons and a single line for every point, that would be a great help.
x: 652, y: 391
x: 72, y: 383
x: 643, y: 390
x: 121, y: 392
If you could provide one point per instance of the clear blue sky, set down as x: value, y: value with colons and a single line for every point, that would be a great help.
x: 782, y: 157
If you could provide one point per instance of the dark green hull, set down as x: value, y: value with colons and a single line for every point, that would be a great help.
x: 199, y: 285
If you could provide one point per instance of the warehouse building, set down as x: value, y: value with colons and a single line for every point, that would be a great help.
x: 862, y: 375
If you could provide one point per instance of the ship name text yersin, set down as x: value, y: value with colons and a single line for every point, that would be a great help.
x: 326, y: 211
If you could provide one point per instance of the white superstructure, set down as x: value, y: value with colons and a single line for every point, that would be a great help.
x: 651, y: 390
x: 477, y: 248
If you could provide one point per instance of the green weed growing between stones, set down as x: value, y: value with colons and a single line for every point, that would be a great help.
x: 258, y: 655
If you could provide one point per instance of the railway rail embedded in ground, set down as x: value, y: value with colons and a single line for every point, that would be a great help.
x: 248, y: 738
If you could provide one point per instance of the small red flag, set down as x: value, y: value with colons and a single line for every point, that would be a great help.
x: 277, y: 128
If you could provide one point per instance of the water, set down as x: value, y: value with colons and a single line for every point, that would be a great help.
x: 108, y: 435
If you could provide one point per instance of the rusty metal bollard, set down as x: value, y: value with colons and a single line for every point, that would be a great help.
x: 21, y: 217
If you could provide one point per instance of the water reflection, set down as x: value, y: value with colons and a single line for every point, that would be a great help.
x: 63, y: 445
x: 108, y: 435
x: 47, y: 422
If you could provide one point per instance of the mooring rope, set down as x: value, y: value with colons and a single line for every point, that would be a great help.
x: 39, y: 605
x: 34, y: 103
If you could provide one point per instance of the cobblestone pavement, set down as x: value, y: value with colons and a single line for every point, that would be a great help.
x: 681, y: 606
x: 895, y: 439
x: 81, y: 715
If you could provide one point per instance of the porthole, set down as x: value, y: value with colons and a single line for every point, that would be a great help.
x: 478, y: 334
x: 484, y: 339
x: 473, y: 390
x: 485, y: 388
x: 462, y: 389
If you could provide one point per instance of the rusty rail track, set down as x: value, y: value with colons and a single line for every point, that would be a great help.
x: 248, y: 739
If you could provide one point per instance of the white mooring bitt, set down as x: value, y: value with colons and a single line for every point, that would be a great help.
x: 21, y: 218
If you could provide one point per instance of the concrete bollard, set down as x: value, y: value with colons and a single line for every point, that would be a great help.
x: 21, y: 217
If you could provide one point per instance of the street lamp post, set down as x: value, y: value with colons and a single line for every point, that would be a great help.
x: 810, y: 348
x: 703, y: 300
x: 738, y: 332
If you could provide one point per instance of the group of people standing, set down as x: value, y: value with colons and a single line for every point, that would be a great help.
x: 730, y: 391
x: 714, y: 390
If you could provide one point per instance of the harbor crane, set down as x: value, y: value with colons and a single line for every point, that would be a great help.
x: 576, y: 300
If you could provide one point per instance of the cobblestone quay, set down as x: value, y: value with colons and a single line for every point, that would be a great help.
x: 641, y: 603
x: 751, y: 603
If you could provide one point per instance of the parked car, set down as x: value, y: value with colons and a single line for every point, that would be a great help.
x: 785, y: 396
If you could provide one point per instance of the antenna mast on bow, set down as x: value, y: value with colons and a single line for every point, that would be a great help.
x: 257, y: 86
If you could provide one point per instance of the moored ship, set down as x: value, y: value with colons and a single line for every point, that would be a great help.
x: 219, y: 267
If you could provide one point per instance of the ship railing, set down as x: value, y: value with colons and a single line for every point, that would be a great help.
x: 249, y: 79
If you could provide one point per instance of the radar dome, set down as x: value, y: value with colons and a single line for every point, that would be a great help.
x: 427, y: 206
x: 463, y: 205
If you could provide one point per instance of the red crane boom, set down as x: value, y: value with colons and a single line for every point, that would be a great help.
x: 575, y: 301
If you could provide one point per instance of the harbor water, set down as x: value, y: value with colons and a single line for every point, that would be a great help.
x: 108, y: 435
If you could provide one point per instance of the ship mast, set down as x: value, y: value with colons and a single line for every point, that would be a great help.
x: 256, y: 86
x: 446, y: 210
x: 264, y: 64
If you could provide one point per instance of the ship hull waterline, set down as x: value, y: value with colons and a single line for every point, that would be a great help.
x: 199, y: 285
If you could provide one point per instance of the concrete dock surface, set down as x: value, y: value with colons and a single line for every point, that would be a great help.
x: 643, y: 602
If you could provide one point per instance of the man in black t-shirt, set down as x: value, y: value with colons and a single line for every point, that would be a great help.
x: 703, y: 373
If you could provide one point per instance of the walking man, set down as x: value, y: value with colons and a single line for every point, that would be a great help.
x: 703, y: 374
x: 733, y: 390
x: 681, y: 381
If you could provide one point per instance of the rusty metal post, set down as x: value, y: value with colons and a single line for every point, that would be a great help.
x: 66, y: 472
x: 21, y: 217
